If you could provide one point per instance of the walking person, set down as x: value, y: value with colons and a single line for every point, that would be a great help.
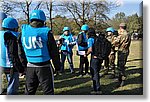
x: 67, y: 42
x: 83, y: 46
x: 38, y: 45
x: 9, y: 59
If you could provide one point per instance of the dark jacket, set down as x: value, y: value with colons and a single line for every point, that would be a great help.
x: 80, y: 41
x: 12, y: 48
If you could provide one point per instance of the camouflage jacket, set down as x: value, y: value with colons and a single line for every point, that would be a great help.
x: 122, y: 41
x: 111, y: 39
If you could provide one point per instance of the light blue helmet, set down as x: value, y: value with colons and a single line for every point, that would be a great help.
x: 110, y: 29
x: 2, y: 16
x: 85, y: 27
x: 66, y: 28
x: 38, y: 14
x: 10, y: 23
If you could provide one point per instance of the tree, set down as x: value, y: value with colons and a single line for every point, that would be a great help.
x: 100, y: 9
x: 6, y: 6
x: 133, y: 23
x: 49, y: 6
x: 25, y: 8
x: 120, y: 16
x: 13, y: 7
x: 79, y: 10
x: 85, y: 11
x: 117, y: 19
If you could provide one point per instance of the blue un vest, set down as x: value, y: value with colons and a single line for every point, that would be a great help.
x: 5, y: 61
x: 34, y: 42
x: 80, y: 48
x: 68, y: 39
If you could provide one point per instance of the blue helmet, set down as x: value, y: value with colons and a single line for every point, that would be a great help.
x: 10, y: 23
x: 2, y: 16
x: 66, y: 28
x: 110, y: 29
x: 38, y: 14
x: 85, y: 27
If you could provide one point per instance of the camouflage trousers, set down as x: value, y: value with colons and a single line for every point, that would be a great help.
x: 122, y: 59
x: 110, y: 62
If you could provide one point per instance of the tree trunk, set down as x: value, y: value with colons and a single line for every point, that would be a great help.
x: 50, y: 14
x: 83, y: 12
x: 95, y: 22
x: 27, y: 13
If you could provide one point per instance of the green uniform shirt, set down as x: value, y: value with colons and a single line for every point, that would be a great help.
x: 123, y: 41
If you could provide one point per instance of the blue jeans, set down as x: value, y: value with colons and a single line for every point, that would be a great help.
x: 13, y: 83
x: 69, y: 58
x: 94, y: 69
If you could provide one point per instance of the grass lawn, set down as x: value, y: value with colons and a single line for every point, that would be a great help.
x: 72, y: 84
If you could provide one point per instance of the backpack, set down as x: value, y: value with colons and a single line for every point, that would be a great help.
x: 102, y: 47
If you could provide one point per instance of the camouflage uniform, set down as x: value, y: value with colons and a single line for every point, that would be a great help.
x: 123, y: 42
x: 110, y: 61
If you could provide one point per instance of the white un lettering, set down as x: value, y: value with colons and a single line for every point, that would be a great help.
x: 33, y: 42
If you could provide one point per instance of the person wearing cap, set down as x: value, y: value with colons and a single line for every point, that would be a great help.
x: 123, y: 43
x: 67, y: 43
x: 82, y: 44
x: 9, y: 59
x: 37, y: 45
x: 110, y: 61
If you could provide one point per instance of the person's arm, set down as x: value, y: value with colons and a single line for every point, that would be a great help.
x: 53, y: 51
x: 88, y: 52
x: 12, y: 48
x: 21, y: 52
x: 90, y: 45
x: 116, y: 41
x: 80, y: 40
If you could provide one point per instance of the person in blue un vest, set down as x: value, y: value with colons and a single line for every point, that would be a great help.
x: 95, y: 63
x: 83, y: 46
x: 38, y: 45
x: 66, y: 48
x: 2, y: 17
x: 9, y: 59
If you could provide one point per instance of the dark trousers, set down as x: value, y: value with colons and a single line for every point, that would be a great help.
x: 69, y: 58
x: 83, y: 60
x: 106, y: 62
x: 42, y: 75
x: 94, y: 69
x: 122, y: 59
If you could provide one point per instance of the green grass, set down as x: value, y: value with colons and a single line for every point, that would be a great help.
x: 72, y: 84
